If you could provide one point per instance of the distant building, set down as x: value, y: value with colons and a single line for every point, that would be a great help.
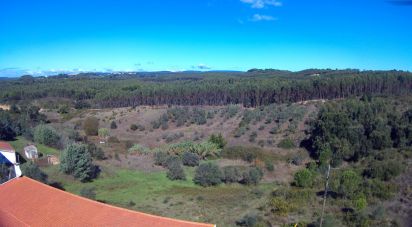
x: 31, y: 152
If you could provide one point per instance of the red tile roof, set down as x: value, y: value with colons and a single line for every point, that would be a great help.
x: 4, y: 146
x: 26, y: 202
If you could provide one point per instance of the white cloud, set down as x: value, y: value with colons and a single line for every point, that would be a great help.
x: 260, y: 17
x: 259, y: 4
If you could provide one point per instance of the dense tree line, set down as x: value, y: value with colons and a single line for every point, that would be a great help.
x: 353, y: 129
x: 250, y: 89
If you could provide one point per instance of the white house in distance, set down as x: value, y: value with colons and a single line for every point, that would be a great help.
x: 31, y: 152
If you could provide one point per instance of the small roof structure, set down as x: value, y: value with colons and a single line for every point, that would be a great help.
x: 26, y: 202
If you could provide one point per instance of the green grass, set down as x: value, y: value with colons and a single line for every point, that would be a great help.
x: 21, y: 142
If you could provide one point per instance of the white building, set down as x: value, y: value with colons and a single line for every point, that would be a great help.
x: 31, y: 152
x: 9, y: 157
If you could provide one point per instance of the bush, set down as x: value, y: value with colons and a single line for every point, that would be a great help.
x: 207, y: 174
x: 133, y: 127
x: 139, y: 149
x: 252, y: 176
x: 77, y: 161
x: 239, y: 152
x: 81, y: 105
x: 160, y: 158
x: 218, y: 140
x: 91, y: 126
x: 348, y: 183
x: 88, y: 192
x: 190, y: 159
x: 249, y: 220
x: 29, y: 169
x: 172, y: 160
x: 231, y: 174
x: 303, y: 178
x: 286, y: 144
x: 95, y: 152
x: 113, y: 125
x: 384, y: 170
x: 113, y: 139
x: 269, y: 166
x: 175, y: 170
x: 46, y: 135
x: 63, y: 109
x: 103, y: 132
x: 280, y: 206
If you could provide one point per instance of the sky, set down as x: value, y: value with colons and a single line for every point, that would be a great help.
x: 40, y: 37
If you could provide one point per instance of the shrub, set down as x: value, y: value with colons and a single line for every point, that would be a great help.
x: 103, y: 132
x: 303, y: 178
x: 46, y: 135
x: 91, y: 126
x: 190, y: 159
x: 63, y: 109
x: 207, y: 174
x: 113, y: 139
x: 171, y: 160
x: 218, y: 140
x: 249, y: 220
x: 280, y: 206
x: 133, y: 127
x: 88, y: 192
x: 252, y: 137
x: 175, y: 170
x: 252, y: 176
x: 77, y: 161
x: 244, y: 153
x: 348, y: 183
x: 384, y: 170
x: 269, y: 166
x: 160, y: 158
x: 29, y: 169
x: 113, y: 125
x: 139, y: 148
x: 95, y: 152
x: 231, y: 174
x: 81, y: 104
x: 286, y: 144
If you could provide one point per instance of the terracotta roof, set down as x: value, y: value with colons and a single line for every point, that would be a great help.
x: 26, y: 202
x: 4, y: 146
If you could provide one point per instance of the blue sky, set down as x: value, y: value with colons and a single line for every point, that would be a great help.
x: 48, y: 36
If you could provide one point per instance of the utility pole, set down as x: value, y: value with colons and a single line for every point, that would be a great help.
x: 324, y: 196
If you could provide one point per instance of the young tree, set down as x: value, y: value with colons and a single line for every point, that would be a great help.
x: 47, y: 135
x: 303, y: 178
x: 77, y: 161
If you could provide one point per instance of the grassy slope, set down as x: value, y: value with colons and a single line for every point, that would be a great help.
x: 155, y: 193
